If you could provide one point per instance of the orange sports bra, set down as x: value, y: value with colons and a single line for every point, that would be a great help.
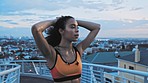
x: 63, y: 71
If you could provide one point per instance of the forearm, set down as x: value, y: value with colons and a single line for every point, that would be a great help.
x: 39, y: 38
x: 41, y: 26
x: 89, y: 25
x: 93, y: 28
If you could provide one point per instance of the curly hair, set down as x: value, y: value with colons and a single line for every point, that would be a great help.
x: 54, y: 37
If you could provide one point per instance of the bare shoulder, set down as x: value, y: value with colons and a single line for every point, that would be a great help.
x: 79, y: 48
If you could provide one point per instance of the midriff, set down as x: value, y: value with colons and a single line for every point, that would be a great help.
x: 78, y: 80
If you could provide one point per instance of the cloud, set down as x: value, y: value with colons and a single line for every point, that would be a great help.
x: 124, y: 33
x: 17, y: 21
x: 103, y: 1
x: 103, y: 9
x: 15, y: 32
x: 118, y: 8
x: 8, y: 21
x: 92, y: 1
x: 118, y: 1
x: 134, y: 32
x: 135, y: 29
x: 117, y: 13
x: 137, y: 8
x: 27, y: 17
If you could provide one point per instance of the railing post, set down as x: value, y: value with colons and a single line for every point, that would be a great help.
x: 91, y: 74
x: 0, y: 69
x: 40, y: 68
x: 0, y: 79
x: 102, y: 75
x: 18, y: 80
x: 22, y: 66
x: 113, y: 79
x: 145, y: 79
x: 35, y: 68
x: 123, y: 77
x: 0, y: 76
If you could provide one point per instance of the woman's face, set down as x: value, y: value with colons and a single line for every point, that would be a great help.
x: 71, y: 31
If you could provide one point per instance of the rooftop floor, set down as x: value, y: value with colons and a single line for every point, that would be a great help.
x: 29, y: 79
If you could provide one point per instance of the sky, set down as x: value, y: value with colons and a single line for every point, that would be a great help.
x: 118, y: 18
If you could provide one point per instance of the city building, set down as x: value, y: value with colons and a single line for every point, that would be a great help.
x: 136, y: 61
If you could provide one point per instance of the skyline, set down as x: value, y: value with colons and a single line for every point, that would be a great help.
x: 118, y: 18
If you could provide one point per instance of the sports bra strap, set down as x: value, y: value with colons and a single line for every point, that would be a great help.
x: 77, y: 50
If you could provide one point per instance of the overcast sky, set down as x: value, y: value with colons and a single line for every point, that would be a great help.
x: 118, y: 18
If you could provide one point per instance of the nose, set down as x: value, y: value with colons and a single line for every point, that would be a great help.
x: 77, y: 30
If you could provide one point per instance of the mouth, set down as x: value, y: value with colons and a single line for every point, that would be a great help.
x: 76, y: 35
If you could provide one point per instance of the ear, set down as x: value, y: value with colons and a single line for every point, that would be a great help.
x: 61, y: 31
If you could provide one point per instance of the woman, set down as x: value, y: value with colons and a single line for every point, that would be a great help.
x: 64, y: 59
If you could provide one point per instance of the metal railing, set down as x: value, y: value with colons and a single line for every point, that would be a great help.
x: 94, y: 73
x: 91, y: 73
x: 9, y: 73
x: 34, y: 67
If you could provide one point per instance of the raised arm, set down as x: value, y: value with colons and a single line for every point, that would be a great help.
x: 93, y: 28
x: 44, y: 47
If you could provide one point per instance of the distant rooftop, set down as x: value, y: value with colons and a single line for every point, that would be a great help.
x: 105, y: 57
x: 143, y: 58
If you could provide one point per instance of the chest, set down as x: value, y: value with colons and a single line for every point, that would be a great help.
x: 69, y: 68
x: 68, y: 56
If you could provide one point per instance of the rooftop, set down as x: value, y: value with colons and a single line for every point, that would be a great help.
x: 143, y: 58
x: 105, y: 57
x: 30, y: 79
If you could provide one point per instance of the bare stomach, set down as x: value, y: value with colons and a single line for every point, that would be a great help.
x: 71, y: 81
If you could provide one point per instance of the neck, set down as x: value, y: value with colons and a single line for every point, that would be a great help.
x: 65, y: 44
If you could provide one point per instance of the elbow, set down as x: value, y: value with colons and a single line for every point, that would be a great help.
x: 34, y: 28
x: 98, y: 26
